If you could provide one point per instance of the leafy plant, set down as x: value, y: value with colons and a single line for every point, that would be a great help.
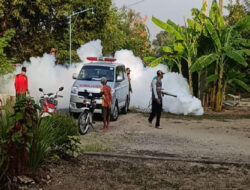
x: 5, y: 63
x: 65, y: 132
x: 6, y: 124
x: 40, y: 147
x: 42, y: 25
x: 228, y: 54
x: 16, y: 134
x: 27, y: 140
x: 212, y: 49
x: 184, y: 46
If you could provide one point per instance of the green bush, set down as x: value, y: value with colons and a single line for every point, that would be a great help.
x: 66, y: 132
x: 6, y: 124
x: 27, y: 140
x: 40, y: 147
x: 17, y: 125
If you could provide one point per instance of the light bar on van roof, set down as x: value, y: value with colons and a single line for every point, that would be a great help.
x: 101, y: 59
x: 110, y: 59
x: 92, y: 58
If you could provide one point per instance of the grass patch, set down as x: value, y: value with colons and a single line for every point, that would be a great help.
x: 95, y: 148
x: 95, y: 142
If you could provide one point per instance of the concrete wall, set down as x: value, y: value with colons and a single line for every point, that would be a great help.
x: 5, y: 97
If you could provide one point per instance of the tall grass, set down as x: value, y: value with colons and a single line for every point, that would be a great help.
x: 64, y: 128
x: 6, y: 124
x: 26, y: 140
x: 43, y: 139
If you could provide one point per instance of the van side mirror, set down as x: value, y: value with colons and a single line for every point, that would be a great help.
x: 40, y: 89
x: 119, y: 78
x: 61, y: 89
x: 75, y: 76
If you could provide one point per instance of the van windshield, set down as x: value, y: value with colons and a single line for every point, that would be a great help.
x: 96, y: 73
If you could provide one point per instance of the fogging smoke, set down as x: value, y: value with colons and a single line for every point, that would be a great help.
x: 90, y: 49
x: 173, y: 83
x: 43, y: 73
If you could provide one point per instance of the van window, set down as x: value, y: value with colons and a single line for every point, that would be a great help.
x: 120, y: 72
x: 96, y: 73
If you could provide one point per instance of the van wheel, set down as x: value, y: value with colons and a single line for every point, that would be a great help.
x: 125, y: 109
x: 115, y: 113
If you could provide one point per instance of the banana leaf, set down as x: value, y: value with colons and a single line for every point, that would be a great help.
x: 212, y: 78
x: 236, y: 56
x: 203, y: 62
x: 242, y: 84
x: 168, y: 28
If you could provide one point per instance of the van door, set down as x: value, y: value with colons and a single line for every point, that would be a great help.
x: 119, y: 86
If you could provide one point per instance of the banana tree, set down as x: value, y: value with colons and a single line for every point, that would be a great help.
x: 227, y: 52
x: 186, y: 43
x: 172, y: 55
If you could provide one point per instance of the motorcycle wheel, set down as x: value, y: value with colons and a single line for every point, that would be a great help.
x: 83, y: 123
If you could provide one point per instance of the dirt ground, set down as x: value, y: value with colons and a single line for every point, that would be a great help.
x: 103, y: 173
x: 222, y: 138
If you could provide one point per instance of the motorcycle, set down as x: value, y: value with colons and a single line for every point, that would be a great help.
x: 85, y: 119
x: 48, y: 102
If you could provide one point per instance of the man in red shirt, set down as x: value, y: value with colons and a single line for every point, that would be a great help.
x: 106, y: 103
x: 21, y: 84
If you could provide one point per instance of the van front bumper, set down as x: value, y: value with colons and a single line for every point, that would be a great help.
x: 76, y: 104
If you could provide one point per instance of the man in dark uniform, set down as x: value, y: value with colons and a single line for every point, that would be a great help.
x: 21, y: 84
x: 156, y: 99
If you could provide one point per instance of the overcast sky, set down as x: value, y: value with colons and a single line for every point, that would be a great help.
x: 176, y: 10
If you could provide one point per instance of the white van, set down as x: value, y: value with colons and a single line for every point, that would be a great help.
x: 88, y: 81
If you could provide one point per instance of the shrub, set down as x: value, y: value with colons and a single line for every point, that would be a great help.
x: 40, y: 147
x: 65, y: 131
x: 27, y: 140
x: 6, y: 124
x: 16, y: 134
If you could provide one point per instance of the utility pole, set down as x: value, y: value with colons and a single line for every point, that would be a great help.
x: 70, y: 30
x: 221, y: 7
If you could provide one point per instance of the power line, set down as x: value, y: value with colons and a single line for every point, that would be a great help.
x: 135, y: 3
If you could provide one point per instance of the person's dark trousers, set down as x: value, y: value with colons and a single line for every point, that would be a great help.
x: 156, y: 111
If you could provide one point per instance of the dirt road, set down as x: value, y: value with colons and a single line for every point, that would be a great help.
x: 105, y: 173
x: 214, y: 138
x: 226, y: 140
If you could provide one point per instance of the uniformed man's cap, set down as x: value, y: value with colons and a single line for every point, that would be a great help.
x: 160, y: 72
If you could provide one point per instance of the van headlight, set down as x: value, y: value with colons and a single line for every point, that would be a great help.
x: 74, y: 90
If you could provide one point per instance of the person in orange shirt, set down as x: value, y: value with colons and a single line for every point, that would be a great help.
x: 106, y: 103
x: 21, y: 84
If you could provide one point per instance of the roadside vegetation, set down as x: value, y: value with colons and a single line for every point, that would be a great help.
x: 27, y: 141
x: 212, y: 51
x: 42, y: 25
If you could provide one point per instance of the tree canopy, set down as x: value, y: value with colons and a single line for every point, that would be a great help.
x: 214, y: 48
x: 41, y: 25
x: 5, y: 63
